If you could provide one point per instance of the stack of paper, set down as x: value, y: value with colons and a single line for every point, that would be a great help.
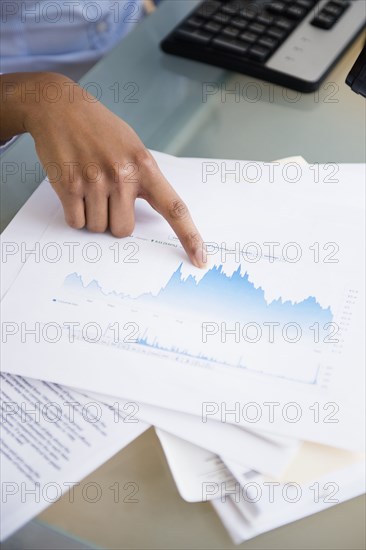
x: 251, y: 370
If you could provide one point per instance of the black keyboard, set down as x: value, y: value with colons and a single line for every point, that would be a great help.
x: 290, y: 42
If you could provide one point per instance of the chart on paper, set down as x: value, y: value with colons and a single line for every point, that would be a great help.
x: 216, y: 319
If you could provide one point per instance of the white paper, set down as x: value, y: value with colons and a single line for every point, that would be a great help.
x: 252, y: 450
x: 318, y: 477
x: 235, y: 524
x: 51, y: 438
x: 339, y: 486
x: 306, y: 374
x: 196, y: 471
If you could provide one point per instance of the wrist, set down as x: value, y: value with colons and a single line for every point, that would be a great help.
x: 25, y: 99
x: 42, y: 96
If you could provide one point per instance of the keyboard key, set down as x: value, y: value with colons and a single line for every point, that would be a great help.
x: 265, y: 19
x: 231, y: 31
x: 330, y: 14
x: 228, y: 44
x: 249, y: 37
x: 268, y: 42
x: 323, y: 21
x: 194, y: 22
x: 231, y: 9
x: 285, y: 24
x: 307, y: 4
x: 195, y: 36
x: 221, y: 17
x: 239, y: 4
x: 239, y: 22
x: 213, y: 27
x: 257, y: 27
x: 207, y: 9
x: 259, y: 53
x: 333, y: 9
x: 295, y: 12
x: 277, y: 33
x: 343, y: 3
x: 249, y: 14
x: 276, y: 7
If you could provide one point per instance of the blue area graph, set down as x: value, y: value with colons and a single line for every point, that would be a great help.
x: 219, y: 296
x: 227, y: 297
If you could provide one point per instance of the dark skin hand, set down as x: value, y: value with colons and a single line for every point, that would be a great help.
x: 95, y: 162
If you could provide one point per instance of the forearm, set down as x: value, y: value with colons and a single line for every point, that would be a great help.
x: 22, y: 99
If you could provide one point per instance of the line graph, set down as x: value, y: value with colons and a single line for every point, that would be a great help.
x: 229, y: 297
x: 216, y: 295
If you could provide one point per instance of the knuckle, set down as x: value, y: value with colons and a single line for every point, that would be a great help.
x: 193, y: 238
x: 193, y: 241
x: 75, y: 222
x: 144, y: 160
x: 178, y: 210
x: 73, y: 190
x: 122, y: 231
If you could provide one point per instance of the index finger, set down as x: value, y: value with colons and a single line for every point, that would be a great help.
x: 165, y: 200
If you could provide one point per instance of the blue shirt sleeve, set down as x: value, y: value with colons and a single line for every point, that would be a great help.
x: 66, y: 36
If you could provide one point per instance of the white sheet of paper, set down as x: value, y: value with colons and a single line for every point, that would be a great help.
x: 195, y: 470
x: 271, y: 456
x: 51, y: 438
x: 235, y: 524
x: 235, y: 443
x: 340, y: 486
x: 200, y: 475
x: 249, y: 507
x: 306, y: 374
x: 263, y: 497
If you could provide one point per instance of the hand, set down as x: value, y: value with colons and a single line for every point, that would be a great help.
x: 98, y: 166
